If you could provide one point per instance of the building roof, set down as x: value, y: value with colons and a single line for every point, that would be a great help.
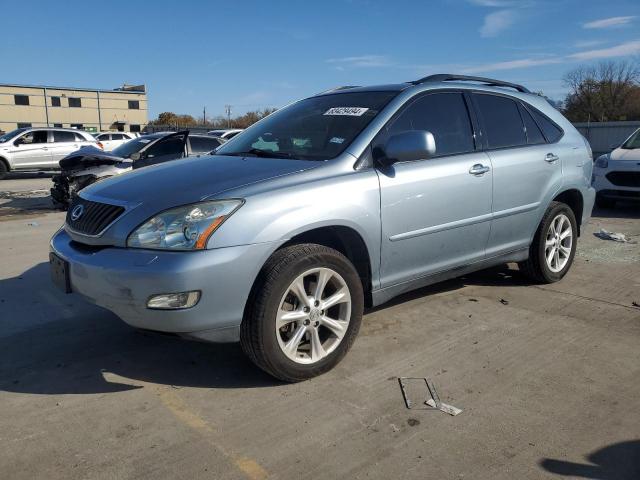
x: 124, y: 89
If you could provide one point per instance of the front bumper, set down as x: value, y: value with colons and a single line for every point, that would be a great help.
x: 621, y: 190
x: 123, y: 279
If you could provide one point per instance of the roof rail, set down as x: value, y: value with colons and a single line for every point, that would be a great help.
x: 337, y: 89
x: 446, y: 77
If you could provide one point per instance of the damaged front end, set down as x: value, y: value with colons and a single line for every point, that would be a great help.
x: 83, y: 168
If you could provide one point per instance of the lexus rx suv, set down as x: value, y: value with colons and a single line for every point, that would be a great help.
x: 335, y: 203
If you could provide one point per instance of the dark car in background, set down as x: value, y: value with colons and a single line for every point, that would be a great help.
x: 89, y: 165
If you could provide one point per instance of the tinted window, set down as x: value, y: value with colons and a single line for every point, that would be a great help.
x: 117, y: 136
x: 38, y: 136
x: 21, y: 99
x: 134, y: 104
x: 104, y: 136
x: 77, y: 125
x: 202, y: 144
x: 444, y: 115
x: 80, y: 138
x: 60, y: 136
x: 55, y: 101
x: 134, y: 128
x: 501, y: 120
x: 24, y: 125
x: 172, y: 146
x: 534, y: 135
x: 75, y: 102
x: 550, y: 131
x: 58, y: 125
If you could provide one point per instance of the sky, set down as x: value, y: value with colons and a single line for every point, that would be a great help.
x: 253, y: 54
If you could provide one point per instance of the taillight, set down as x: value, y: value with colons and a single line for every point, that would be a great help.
x: 100, y: 145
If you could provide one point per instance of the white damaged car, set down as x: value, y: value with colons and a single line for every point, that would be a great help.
x: 616, y: 175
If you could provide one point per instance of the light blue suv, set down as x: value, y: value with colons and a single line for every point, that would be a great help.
x: 337, y: 202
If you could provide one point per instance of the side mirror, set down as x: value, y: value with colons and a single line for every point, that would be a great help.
x: 135, y: 156
x: 408, y: 146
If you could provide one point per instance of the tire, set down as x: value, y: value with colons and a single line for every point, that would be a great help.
x: 274, y: 289
x: 3, y: 169
x: 605, y: 202
x: 538, y: 268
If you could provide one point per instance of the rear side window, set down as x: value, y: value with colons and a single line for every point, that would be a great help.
x: 534, y: 134
x: 80, y: 138
x: 550, y: 130
x: 60, y: 136
x: 171, y: 146
x: 445, y: 115
x: 501, y: 121
x: 117, y: 136
x: 203, y: 145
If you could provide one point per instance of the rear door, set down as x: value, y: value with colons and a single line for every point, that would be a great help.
x: 436, y: 213
x: 31, y: 150
x: 64, y: 143
x: 166, y: 148
x: 525, y: 170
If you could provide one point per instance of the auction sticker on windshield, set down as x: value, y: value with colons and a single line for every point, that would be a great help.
x: 348, y: 111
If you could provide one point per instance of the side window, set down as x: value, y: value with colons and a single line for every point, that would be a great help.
x: 551, y: 131
x: 203, y: 145
x: 80, y: 138
x: 171, y: 146
x: 38, y: 136
x: 104, y: 137
x: 501, y: 121
x: 445, y: 115
x: 61, y: 136
x: 75, y: 102
x: 55, y: 101
x: 534, y: 134
x: 117, y: 136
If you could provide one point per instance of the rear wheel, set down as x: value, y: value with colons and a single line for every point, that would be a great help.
x: 304, y: 313
x: 605, y: 202
x: 554, y: 245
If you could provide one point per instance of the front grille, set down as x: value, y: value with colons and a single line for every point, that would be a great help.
x: 624, y: 179
x: 95, y: 217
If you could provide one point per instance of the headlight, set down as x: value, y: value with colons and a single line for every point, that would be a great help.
x: 183, y: 228
x: 602, y: 161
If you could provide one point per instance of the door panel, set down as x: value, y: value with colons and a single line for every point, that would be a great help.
x: 64, y: 143
x: 435, y: 216
x: 34, y: 153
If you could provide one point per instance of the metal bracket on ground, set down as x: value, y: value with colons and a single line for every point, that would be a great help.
x: 432, y: 403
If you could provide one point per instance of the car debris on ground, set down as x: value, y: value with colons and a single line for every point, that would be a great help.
x: 614, y: 236
x: 432, y: 403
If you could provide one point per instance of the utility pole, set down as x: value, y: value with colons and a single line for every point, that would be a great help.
x: 227, y: 109
x: 204, y: 115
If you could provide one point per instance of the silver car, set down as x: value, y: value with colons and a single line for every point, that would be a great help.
x: 39, y: 148
x: 335, y: 203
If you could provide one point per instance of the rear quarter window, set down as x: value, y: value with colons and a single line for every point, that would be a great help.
x: 551, y: 131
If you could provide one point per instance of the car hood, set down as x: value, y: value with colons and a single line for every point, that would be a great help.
x: 190, y: 180
x: 88, y: 157
x: 625, y: 154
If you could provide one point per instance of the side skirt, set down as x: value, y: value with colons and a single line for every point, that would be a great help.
x: 385, y: 294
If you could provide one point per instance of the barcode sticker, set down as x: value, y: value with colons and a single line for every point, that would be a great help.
x: 348, y: 111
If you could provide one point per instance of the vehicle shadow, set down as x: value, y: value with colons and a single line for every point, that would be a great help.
x: 51, y: 343
x: 620, y: 461
x: 25, y: 202
x: 29, y: 175
x: 621, y: 210
x: 506, y: 275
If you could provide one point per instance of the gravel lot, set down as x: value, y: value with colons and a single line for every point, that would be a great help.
x: 547, y: 379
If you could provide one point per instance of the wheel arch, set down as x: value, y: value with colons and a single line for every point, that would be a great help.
x: 573, y: 198
x: 6, y: 163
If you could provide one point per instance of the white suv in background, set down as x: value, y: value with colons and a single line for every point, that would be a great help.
x: 111, y: 140
x: 616, y: 175
x: 39, y: 148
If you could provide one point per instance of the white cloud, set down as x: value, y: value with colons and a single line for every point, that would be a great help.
x: 496, y: 22
x: 609, y: 22
x: 588, y: 43
x: 622, y: 50
x: 492, y: 3
x: 510, y: 65
x: 361, y: 61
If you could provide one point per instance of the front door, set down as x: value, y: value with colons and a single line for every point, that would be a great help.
x: 31, y: 150
x: 435, y: 213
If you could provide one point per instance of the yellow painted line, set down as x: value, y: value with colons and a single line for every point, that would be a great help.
x: 179, y: 409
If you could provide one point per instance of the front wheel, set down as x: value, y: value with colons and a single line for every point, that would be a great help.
x: 304, y: 313
x: 554, y: 245
x: 3, y: 170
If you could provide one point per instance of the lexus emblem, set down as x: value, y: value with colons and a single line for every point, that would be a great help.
x: 77, y: 212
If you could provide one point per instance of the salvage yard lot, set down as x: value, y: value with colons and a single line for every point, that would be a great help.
x: 547, y: 379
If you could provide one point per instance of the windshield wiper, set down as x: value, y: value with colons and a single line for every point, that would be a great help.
x: 257, y: 152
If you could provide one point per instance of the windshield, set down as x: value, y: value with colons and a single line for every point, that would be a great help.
x: 318, y: 128
x: 132, y: 146
x: 633, y: 142
x: 8, y: 136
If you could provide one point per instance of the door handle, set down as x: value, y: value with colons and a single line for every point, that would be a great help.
x: 550, y: 158
x: 479, y: 169
x: 45, y: 148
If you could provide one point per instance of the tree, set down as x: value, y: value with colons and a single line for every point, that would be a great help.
x: 607, y: 91
x: 243, y: 121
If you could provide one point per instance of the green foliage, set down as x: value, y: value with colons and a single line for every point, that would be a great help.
x: 242, y: 121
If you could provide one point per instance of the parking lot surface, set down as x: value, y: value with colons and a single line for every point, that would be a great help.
x: 546, y: 375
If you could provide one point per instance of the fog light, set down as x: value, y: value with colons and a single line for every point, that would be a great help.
x: 173, y: 301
